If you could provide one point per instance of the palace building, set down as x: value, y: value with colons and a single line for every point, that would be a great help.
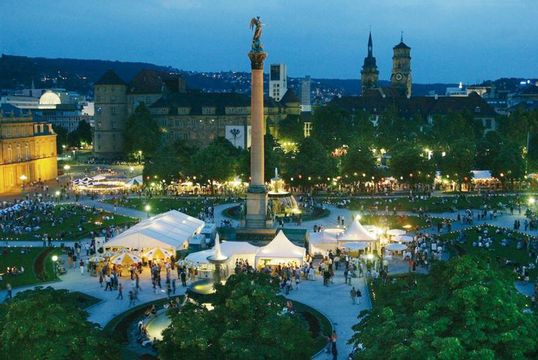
x: 27, y: 152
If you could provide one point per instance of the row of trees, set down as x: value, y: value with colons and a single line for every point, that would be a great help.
x: 463, y: 310
x: 75, y: 138
x: 348, y: 149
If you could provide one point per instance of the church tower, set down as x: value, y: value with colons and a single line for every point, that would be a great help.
x: 400, y: 78
x: 369, y: 72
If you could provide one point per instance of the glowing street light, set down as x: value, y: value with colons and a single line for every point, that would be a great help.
x: 147, y: 208
x: 531, y: 201
x: 54, y: 260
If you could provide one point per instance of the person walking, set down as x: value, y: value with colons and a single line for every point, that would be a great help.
x: 131, y: 298
x: 9, y: 289
x: 120, y: 292
x: 353, y: 294
x: 359, y: 295
x: 81, y: 265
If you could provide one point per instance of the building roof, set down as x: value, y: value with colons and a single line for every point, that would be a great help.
x: 154, y: 82
x: 375, y: 103
x: 197, y: 100
x: 401, y: 45
x: 110, y: 78
x: 290, y: 97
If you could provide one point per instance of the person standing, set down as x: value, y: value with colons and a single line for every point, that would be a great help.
x: 334, y: 350
x: 120, y: 292
x: 9, y: 291
x: 183, y: 277
x: 353, y: 294
x: 81, y: 265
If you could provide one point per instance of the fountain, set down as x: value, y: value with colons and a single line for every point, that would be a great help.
x: 281, y: 202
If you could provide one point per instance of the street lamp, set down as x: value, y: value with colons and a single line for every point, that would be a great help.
x: 531, y: 201
x: 54, y: 260
x: 139, y: 156
x: 23, y: 179
x: 147, y: 208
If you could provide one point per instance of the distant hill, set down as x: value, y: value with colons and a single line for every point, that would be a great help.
x: 79, y: 75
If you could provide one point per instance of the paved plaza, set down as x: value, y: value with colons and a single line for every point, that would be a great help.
x: 333, y: 301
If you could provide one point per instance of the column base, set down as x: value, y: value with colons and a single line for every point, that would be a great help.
x: 256, y: 208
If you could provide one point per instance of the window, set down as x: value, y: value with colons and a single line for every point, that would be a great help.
x: 307, y: 128
x: 113, y: 110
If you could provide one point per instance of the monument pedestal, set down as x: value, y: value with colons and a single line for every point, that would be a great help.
x: 255, y: 217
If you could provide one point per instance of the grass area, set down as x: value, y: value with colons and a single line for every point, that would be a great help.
x: 497, y: 254
x: 191, y: 206
x: 318, y: 213
x: 393, y: 221
x: 438, y: 204
x: 37, y: 264
x: 71, y: 222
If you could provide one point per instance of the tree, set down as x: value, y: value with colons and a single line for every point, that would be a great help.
x: 61, y: 137
x: 217, y: 162
x: 48, y: 323
x: 464, y: 309
x: 409, y: 163
x: 458, y: 161
x: 291, y: 129
x: 274, y: 158
x: 171, y: 161
x: 243, y: 324
x: 332, y: 127
x: 83, y: 133
x: 141, y: 133
x: 508, y: 164
x: 359, y: 160
x: 311, y: 164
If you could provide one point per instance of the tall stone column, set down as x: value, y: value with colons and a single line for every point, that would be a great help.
x: 257, y: 194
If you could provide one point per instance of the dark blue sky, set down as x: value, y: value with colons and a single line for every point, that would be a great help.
x: 451, y: 40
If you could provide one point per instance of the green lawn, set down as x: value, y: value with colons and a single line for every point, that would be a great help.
x: 496, y: 252
x: 191, y: 206
x: 437, y: 204
x: 394, y: 221
x: 65, y: 220
x: 37, y: 263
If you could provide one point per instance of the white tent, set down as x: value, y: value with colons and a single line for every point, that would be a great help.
x: 321, y: 242
x: 355, y: 246
x: 239, y: 250
x: 356, y: 232
x: 280, y: 250
x: 169, y: 230
x: 396, y: 232
x: 137, y: 180
x: 403, y: 238
x: 396, y: 247
x: 199, y: 257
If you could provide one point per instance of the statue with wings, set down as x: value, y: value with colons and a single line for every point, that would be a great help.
x: 256, y: 24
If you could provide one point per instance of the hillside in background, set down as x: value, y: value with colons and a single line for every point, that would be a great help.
x: 18, y: 72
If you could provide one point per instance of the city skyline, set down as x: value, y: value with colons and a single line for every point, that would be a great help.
x: 324, y: 40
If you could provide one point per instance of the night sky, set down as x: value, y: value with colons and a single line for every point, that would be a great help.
x: 451, y: 40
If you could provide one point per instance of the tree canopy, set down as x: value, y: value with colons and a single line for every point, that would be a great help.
x: 49, y: 324
x: 142, y: 133
x: 245, y: 323
x: 464, y: 309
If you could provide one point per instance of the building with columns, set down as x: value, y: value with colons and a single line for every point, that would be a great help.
x: 27, y: 153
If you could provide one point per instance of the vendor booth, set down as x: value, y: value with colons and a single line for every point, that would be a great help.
x: 280, y: 251
x: 320, y: 242
x: 356, y: 233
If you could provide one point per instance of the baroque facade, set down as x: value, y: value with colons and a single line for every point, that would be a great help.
x: 27, y: 153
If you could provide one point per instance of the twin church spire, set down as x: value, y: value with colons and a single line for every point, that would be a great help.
x: 401, y: 69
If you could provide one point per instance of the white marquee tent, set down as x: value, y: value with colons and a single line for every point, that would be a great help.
x: 356, y: 232
x: 280, y: 250
x: 320, y: 242
x: 169, y: 230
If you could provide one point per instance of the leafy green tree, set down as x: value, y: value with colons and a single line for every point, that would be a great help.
x: 458, y: 161
x: 291, y: 129
x: 331, y: 126
x: 83, y: 133
x: 61, y: 137
x: 359, y: 160
x: 245, y: 323
x: 171, y: 161
x: 311, y: 165
x: 409, y: 163
x: 49, y: 324
x: 142, y: 133
x: 217, y: 162
x: 464, y: 309
x: 488, y: 148
x: 508, y: 164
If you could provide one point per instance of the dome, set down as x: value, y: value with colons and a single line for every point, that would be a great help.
x: 50, y: 98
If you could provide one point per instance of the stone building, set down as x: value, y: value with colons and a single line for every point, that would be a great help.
x: 369, y: 72
x: 190, y: 115
x: 27, y: 152
x: 400, y: 78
